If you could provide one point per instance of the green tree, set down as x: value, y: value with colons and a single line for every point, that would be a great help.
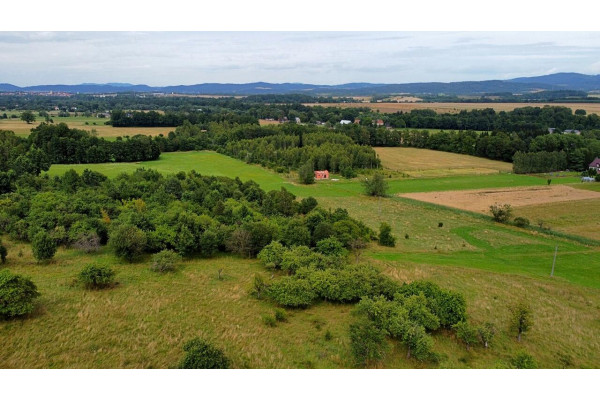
x: 376, y: 185
x: 43, y: 246
x: 28, y: 116
x: 385, y: 235
x: 17, y: 294
x: 466, y: 333
x: 128, y: 242
x: 521, y: 318
x: 486, y: 333
x: 368, y: 343
x: 203, y: 355
x: 306, y: 173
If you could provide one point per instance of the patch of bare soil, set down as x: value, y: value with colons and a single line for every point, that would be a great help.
x: 480, y: 200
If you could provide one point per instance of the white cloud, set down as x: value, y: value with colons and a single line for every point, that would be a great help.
x: 171, y: 58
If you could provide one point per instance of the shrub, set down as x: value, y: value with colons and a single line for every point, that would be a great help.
x: 501, y: 213
x: 203, y: 355
x: 466, y: 333
x: 385, y: 235
x: 258, y: 286
x: 367, y: 342
x: 3, y: 252
x: 43, y: 246
x: 406, y: 236
x: 292, y: 292
x: 17, y: 294
x: 523, y: 360
x: 281, y: 315
x: 521, y: 222
x: 128, y: 242
x: 269, y: 320
x: 440, y: 224
x: 328, y: 335
x: 96, y: 277
x: 165, y: 261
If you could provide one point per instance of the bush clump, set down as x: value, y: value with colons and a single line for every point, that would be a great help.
x: 43, y: 246
x: 17, y: 294
x: 281, y: 315
x: 128, y: 242
x: 269, y: 320
x: 165, y: 261
x: 523, y: 360
x: 521, y: 222
x: 203, y: 355
x: 292, y: 292
x: 97, y: 276
x: 501, y: 212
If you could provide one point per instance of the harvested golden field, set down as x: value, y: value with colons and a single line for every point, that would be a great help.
x: 263, y: 122
x: 21, y: 128
x: 387, y: 108
x: 430, y: 163
x: 481, y: 200
x: 579, y: 217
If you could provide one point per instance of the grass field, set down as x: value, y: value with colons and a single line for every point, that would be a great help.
x: 21, y: 128
x: 577, y: 217
x: 388, y: 108
x: 211, y: 163
x: 431, y: 163
x: 143, y: 322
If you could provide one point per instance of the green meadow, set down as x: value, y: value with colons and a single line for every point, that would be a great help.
x: 143, y: 321
x: 211, y: 163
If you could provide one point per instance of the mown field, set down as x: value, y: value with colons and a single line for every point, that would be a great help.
x: 431, y: 163
x: 21, y: 128
x: 389, y: 108
x: 577, y: 217
x: 143, y: 322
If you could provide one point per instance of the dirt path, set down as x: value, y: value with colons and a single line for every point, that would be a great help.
x: 480, y: 200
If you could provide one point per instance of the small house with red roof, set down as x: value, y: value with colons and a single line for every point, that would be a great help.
x: 321, y: 175
x: 595, y: 164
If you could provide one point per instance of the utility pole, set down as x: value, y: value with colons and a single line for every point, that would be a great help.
x: 554, y: 262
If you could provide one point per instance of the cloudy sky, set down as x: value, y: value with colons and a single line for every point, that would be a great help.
x: 172, y: 58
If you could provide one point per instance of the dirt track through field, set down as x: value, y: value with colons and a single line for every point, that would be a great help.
x: 480, y: 200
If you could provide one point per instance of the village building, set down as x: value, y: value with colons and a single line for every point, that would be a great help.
x: 379, y: 122
x: 345, y: 122
x: 595, y: 164
x: 321, y: 175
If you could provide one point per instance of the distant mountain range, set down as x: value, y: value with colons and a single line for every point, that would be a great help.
x: 560, y: 81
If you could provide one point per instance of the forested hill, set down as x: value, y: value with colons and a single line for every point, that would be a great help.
x: 560, y: 81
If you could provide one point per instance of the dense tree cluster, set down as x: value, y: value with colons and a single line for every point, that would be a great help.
x: 146, y: 212
x: 330, y: 151
x: 541, y: 161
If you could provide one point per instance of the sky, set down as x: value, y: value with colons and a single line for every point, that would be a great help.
x: 184, y: 58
